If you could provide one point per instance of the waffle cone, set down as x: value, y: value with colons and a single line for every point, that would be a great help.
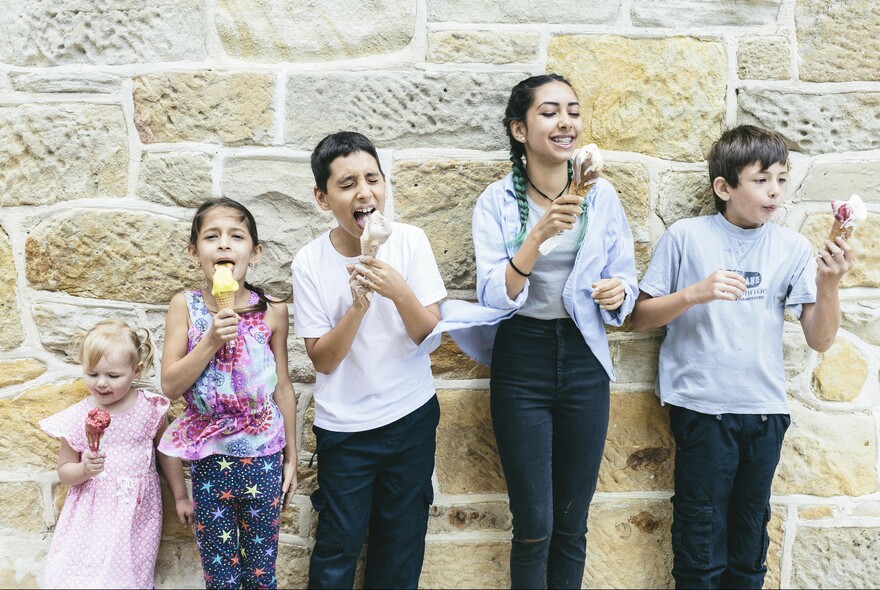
x: 838, y: 230
x: 225, y: 300
x: 369, y: 250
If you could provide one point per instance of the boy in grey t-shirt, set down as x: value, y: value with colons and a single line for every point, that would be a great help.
x: 721, y: 285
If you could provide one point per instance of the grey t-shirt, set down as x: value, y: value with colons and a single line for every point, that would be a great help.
x: 726, y: 356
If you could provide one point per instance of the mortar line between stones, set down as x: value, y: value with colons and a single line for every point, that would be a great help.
x: 788, y: 534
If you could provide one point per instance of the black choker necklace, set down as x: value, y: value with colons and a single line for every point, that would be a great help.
x: 562, y: 192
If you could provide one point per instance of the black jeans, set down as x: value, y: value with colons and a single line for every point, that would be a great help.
x: 550, y: 402
x: 379, y: 480
x: 724, y: 467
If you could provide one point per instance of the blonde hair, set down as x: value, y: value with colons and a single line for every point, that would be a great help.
x: 91, y: 346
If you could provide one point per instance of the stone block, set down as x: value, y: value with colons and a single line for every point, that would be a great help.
x: 24, y: 447
x: 845, y: 557
x: 467, y: 457
x: 21, y: 507
x: 763, y: 58
x: 112, y: 32
x: 79, y: 82
x: 298, y: 362
x: 827, y: 454
x: 178, y: 565
x: 57, y: 322
x: 862, y: 318
x: 10, y: 329
x: 815, y: 512
x: 449, y: 362
x: 840, y: 374
x: 837, y: 42
x: 439, y: 196
x: 119, y: 255
x: 292, y: 566
x: 476, y: 517
x: 659, y: 97
x: 21, y: 560
x: 814, y: 124
x: 291, y: 516
x: 292, y: 31
x: 703, y: 13
x: 631, y: 182
x: 865, y: 242
x: 569, y: 12
x: 15, y: 371
x: 643, y: 259
x: 829, y: 180
x: 795, y: 352
x: 483, y: 47
x: 682, y: 195
x: 306, y: 477
x: 181, y: 179
x: 171, y: 527
x: 400, y: 109
x: 629, y: 545
x: 639, y: 450
x: 231, y: 108
x: 635, y: 360
x: 466, y: 564
x: 78, y: 151
x: 307, y: 442
x: 776, y: 530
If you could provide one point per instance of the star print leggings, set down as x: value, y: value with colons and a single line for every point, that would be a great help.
x: 237, y: 510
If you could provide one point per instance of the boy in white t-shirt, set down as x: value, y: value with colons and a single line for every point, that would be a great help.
x: 376, y: 411
x: 721, y: 285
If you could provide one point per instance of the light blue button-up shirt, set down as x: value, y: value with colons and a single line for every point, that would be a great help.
x: 607, y: 251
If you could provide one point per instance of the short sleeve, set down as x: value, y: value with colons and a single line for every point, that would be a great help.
x: 68, y: 424
x: 802, y: 284
x: 661, y: 277
x: 424, y: 277
x: 158, y: 405
x: 310, y: 320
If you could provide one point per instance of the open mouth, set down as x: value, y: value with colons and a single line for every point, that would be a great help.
x: 224, y: 262
x: 565, y: 141
x: 360, y: 216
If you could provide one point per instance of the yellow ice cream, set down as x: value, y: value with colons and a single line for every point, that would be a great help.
x: 224, y: 286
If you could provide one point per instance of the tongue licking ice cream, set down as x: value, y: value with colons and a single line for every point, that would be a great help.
x: 376, y: 231
x: 97, y: 422
x: 847, y: 215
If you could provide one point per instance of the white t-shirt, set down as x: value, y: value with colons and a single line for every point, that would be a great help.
x: 726, y: 356
x: 383, y: 377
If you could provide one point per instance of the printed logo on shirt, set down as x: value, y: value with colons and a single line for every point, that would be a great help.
x: 753, y: 280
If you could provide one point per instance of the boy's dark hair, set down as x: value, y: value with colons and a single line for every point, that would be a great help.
x: 339, y: 145
x: 737, y: 148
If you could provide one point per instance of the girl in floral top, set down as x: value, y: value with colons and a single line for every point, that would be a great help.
x: 239, y: 426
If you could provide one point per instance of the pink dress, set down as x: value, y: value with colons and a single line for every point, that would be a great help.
x: 108, y: 533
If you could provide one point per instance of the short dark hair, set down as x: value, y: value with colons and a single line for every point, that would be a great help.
x: 737, y: 148
x: 339, y: 145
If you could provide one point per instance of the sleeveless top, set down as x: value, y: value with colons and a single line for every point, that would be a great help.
x: 229, y: 409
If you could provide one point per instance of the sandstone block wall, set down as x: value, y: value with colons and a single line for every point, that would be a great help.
x: 117, y: 117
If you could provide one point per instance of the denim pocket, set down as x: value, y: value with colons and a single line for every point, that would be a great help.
x: 692, y: 533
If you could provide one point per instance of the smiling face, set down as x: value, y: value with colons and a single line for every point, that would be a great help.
x: 757, y: 196
x: 109, y: 381
x: 552, y: 125
x: 223, y: 238
x: 355, y: 189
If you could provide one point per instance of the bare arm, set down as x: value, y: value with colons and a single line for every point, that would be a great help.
x: 655, y: 312
x: 73, y: 469
x: 285, y: 398
x: 179, y: 368
x: 172, y: 469
x: 821, y: 320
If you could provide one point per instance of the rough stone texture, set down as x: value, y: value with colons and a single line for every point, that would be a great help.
x: 840, y: 374
x: 682, y: 195
x: 466, y: 564
x: 292, y: 31
x: 827, y: 181
x: 568, y: 12
x: 827, y: 455
x: 763, y: 58
x: 180, y: 179
x: 635, y: 360
x: 21, y: 560
x: 22, y: 507
x: 467, y: 458
x: 279, y: 194
x: 106, y: 32
x: 483, y: 47
x: 110, y: 255
x: 77, y: 151
x: 815, y: 512
x: 299, y: 365
x: 400, y: 109
x: 439, y: 197
x: 643, y: 258
x: 631, y: 182
x: 776, y: 530
x: 865, y: 242
x: 639, y: 451
x: 292, y: 566
x: 232, y: 108
x: 862, y: 318
x: 290, y: 519
x: 629, y: 545
x: 846, y: 557
x: 795, y: 352
x: 307, y: 442
x: 57, y: 322
x: 13, y: 372
x: 179, y: 565
x: 10, y: 328
x: 815, y: 123
x: 86, y: 82
x: 449, y: 362
x: 477, y: 517
x: 660, y: 97
x: 171, y: 527
x: 24, y: 447
x: 703, y: 13
x: 837, y: 41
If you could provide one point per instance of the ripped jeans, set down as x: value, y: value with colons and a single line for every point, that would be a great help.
x: 550, y: 403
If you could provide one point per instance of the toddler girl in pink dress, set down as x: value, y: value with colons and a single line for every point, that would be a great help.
x: 108, y: 533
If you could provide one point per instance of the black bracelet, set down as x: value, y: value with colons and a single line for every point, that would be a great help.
x: 518, y: 271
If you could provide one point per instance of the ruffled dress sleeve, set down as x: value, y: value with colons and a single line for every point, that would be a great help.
x: 159, y: 405
x: 68, y: 424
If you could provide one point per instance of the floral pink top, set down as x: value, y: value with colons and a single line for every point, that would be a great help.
x: 230, y: 409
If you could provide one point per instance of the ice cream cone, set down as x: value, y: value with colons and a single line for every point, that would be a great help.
x: 376, y: 232
x: 847, y: 215
x: 586, y: 166
x: 839, y: 230
x: 223, y: 289
x: 225, y: 300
